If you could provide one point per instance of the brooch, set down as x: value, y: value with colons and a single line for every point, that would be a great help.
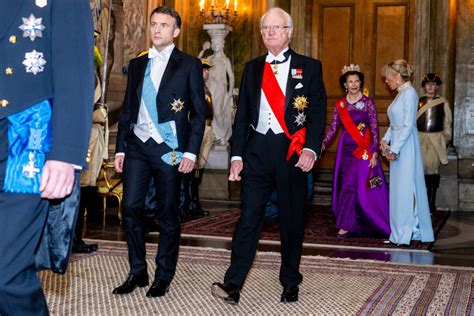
x: 341, y: 104
x: 300, y: 103
x: 297, y: 73
x: 300, y: 119
x: 359, y: 105
x: 32, y: 27
x: 34, y: 62
x: 177, y: 105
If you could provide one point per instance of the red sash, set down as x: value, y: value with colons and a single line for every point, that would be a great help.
x: 363, y: 151
x: 276, y: 100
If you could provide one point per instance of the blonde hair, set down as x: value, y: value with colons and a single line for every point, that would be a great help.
x: 401, y: 67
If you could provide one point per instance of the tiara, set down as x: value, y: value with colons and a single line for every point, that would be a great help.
x: 351, y: 67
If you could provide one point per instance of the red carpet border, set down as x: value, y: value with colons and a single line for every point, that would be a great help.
x: 320, y: 229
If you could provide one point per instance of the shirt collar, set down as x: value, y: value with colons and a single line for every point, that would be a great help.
x: 164, y: 55
x: 280, y: 57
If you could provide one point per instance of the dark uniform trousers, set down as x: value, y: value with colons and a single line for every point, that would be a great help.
x: 266, y: 169
x: 143, y: 163
x: 21, y: 226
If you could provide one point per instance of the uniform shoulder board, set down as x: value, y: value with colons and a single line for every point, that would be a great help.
x: 140, y: 54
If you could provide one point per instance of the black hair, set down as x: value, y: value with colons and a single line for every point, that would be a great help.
x: 169, y: 11
x: 343, y: 78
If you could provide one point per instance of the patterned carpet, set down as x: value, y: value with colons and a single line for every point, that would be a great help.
x: 330, y: 287
x: 320, y: 229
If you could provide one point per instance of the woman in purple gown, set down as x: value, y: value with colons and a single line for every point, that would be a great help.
x: 360, y: 193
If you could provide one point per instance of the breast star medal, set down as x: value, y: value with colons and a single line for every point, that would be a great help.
x: 177, y: 105
x: 32, y: 27
x: 300, y: 103
x: 300, y: 118
x: 34, y: 62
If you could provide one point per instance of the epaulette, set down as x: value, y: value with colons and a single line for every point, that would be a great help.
x: 140, y: 54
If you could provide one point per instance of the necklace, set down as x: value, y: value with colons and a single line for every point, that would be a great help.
x: 357, y: 98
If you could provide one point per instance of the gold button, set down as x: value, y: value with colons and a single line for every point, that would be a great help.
x: 12, y: 39
x: 4, y: 103
x: 9, y: 71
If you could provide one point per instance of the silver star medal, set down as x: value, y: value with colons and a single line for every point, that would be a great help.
x: 300, y: 118
x: 32, y: 27
x: 34, y: 62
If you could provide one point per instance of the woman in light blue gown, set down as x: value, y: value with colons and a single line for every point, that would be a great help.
x: 409, y: 209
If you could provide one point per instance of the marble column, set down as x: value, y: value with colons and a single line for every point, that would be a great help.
x: 464, y: 102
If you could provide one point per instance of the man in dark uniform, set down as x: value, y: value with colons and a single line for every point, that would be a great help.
x: 277, y: 135
x: 190, y: 207
x: 47, y: 84
x: 159, y: 134
x: 434, y: 126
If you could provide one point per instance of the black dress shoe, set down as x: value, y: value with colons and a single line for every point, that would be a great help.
x: 158, y: 288
x: 79, y: 246
x: 131, y: 283
x: 290, y: 294
x: 230, y: 293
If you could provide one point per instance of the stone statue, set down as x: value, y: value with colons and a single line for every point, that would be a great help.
x: 221, y: 85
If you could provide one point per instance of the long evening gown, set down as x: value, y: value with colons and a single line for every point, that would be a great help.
x: 409, y: 210
x: 357, y: 208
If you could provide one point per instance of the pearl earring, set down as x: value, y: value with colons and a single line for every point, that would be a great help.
x: 398, y: 81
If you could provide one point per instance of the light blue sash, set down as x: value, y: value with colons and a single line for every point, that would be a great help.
x: 29, y: 139
x: 164, y: 129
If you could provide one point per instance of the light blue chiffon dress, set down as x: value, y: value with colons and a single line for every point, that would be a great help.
x: 409, y: 209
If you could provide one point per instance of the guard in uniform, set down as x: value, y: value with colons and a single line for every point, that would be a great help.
x: 46, y: 89
x: 434, y: 125
x: 190, y: 207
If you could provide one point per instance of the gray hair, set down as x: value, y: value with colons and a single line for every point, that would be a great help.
x: 288, y: 18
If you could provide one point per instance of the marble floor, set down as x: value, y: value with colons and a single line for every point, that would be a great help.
x: 454, y: 245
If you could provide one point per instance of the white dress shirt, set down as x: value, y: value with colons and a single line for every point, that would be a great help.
x: 266, y: 118
x: 145, y: 128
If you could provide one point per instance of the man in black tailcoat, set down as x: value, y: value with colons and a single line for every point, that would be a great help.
x: 277, y: 137
x: 159, y: 135
x: 46, y: 92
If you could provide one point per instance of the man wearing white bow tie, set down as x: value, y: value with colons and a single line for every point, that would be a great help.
x: 159, y: 135
x: 277, y: 135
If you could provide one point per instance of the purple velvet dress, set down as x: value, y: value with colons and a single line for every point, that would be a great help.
x: 358, y: 208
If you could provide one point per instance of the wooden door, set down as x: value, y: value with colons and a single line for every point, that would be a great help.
x: 370, y: 33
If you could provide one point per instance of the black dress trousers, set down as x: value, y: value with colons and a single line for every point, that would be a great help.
x: 142, y: 163
x: 266, y: 169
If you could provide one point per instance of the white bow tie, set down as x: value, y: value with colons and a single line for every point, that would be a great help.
x: 271, y: 58
x: 153, y: 53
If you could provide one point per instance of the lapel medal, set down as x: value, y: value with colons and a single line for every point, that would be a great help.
x: 41, y: 3
x: 297, y: 73
x: 300, y: 103
x: 177, y: 105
